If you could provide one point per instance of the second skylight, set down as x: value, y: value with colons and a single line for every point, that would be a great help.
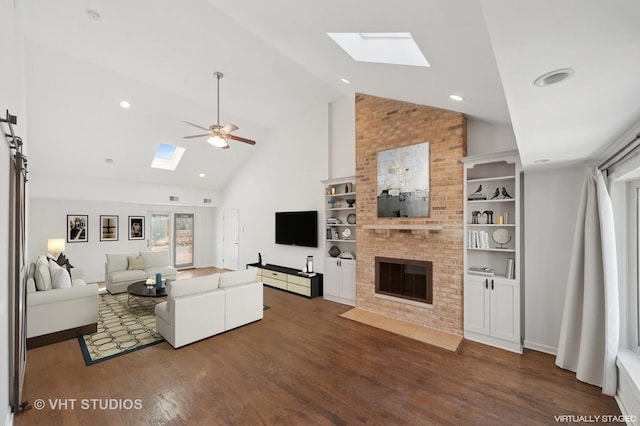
x: 384, y: 48
x: 167, y: 157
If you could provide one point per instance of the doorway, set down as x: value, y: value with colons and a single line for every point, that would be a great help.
x: 173, y: 233
x: 183, y: 240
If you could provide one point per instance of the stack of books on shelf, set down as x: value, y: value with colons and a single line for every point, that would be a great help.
x: 478, y: 239
x: 481, y: 270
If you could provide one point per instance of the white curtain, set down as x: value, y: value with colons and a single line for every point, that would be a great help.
x: 590, y: 329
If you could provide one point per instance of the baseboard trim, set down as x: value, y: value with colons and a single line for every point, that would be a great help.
x: 540, y: 347
x: 339, y: 300
x: 59, y: 336
x: 493, y: 341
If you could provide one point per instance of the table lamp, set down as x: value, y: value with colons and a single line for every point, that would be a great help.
x: 55, y: 246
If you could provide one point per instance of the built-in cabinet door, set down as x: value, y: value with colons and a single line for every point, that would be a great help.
x: 330, y: 282
x: 477, y: 304
x: 348, y: 279
x: 505, y: 323
x: 340, y: 280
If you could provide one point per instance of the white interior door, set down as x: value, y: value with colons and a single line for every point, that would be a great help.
x: 231, y: 236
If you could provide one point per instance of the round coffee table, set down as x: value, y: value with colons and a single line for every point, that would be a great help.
x: 139, y: 289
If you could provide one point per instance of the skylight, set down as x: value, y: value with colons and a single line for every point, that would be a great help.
x: 167, y: 157
x: 384, y: 48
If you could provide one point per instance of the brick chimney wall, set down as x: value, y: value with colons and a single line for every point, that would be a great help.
x: 383, y: 124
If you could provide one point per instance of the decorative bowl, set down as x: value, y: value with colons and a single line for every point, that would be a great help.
x: 351, y: 201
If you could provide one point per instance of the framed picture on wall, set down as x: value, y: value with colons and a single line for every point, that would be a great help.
x: 108, y: 228
x: 403, y: 181
x: 136, y: 227
x: 77, y: 228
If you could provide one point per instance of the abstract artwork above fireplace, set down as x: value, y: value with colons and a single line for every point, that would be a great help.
x: 403, y: 181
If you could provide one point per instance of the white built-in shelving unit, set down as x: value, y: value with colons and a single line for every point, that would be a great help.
x: 340, y: 234
x: 492, y: 299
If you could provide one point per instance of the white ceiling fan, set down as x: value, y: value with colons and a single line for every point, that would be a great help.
x: 218, y: 135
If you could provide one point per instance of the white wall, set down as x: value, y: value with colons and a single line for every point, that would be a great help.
x: 342, y: 138
x: 551, y: 200
x: 13, y: 98
x: 284, y: 175
x: 486, y: 138
x: 68, y: 186
x: 49, y: 217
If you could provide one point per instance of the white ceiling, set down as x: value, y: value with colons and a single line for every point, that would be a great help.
x: 160, y: 55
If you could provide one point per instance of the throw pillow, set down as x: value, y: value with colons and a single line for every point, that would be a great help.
x: 135, y: 262
x: 60, y: 277
x: 63, y: 261
x: 42, y: 277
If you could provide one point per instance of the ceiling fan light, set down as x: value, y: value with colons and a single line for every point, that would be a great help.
x: 218, y: 142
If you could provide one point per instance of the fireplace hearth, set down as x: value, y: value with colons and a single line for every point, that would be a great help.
x: 404, y: 278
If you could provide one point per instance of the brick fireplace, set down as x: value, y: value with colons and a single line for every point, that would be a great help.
x: 383, y: 124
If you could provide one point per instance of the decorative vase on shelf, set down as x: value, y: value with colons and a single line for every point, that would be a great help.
x: 351, y: 201
x: 334, y: 251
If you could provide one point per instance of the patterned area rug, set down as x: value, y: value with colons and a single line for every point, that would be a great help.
x: 124, y: 325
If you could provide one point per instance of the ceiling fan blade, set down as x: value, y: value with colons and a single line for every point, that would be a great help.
x: 238, y: 138
x: 196, y: 136
x: 195, y: 125
x: 230, y: 128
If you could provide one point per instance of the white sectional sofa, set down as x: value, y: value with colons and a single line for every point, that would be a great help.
x: 202, y: 307
x: 119, y: 272
x: 58, y: 309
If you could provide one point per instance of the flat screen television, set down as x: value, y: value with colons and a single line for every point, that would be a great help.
x: 297, y: 228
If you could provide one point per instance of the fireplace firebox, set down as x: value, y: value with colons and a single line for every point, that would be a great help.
x: 404, y: 278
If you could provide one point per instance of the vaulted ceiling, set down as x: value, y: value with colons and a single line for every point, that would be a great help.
x: 160, y: 55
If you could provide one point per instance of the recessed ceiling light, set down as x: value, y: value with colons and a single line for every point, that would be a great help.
x: 108, y: 160
x: 93, y: 14
x: 345, y: 80
x: 553, y: 77
x: 542, y: 160
x: 201, y: 175
x: 125, y: 104
x: 456, y: 98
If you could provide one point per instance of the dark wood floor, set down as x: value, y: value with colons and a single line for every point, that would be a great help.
x: 304, y: 365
